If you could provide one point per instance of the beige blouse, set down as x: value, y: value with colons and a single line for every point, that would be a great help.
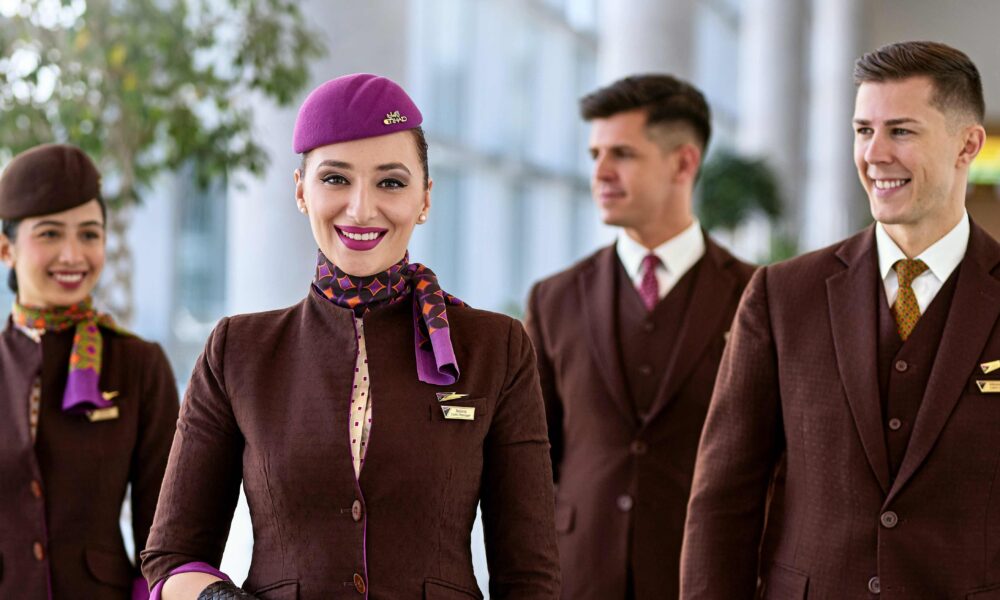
x: 360, y: 420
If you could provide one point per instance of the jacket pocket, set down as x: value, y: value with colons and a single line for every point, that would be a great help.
x: 286, y: 589
x: 784, y: 583
x: 109, y: 567
x: 436, y: 589
x: 564, y: 518
x: 991, y: 592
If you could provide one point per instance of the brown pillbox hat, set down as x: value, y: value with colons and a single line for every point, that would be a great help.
x: 47, y: 179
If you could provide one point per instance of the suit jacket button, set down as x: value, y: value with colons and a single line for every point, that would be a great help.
x: 356, y: 511
x: 624, y: 502
x: 874, y: 585
x: 38, y: 551
x: 895, y: 424
x: 638, y: 447
x: 889, y: 519
x: 901, y: 366
x: 359, y: 583
x: 36, y: 488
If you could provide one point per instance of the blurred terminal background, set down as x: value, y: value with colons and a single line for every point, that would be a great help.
x: 189, y: 105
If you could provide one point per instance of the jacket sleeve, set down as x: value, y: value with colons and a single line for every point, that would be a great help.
x: 202, y: 482
x: 547, y: 380
x: 157, y: 423
x: 740, y: 447
x: 517, y: 498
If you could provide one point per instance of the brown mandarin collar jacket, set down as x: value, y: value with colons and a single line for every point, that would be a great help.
x: 268, y: 404
x: 60, y: 499
x: 623, y: 482
x: 796, y: 419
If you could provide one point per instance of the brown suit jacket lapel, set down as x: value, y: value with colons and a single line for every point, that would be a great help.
x: 713, y: 292
x: 596, y: 287
x: 852, y: 296
x: 20, y: 363
x: 971, y: 319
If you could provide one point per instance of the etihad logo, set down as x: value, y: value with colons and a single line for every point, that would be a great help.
x: 393, y: 118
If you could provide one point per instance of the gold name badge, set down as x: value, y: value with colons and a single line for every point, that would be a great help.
x: 989, y: 367
x: 460, y: 413
x: 449, y: 396
x: 989, y: 387
x: 103, y: 414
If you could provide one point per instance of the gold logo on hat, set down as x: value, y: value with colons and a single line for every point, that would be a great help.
x: 393, y: 118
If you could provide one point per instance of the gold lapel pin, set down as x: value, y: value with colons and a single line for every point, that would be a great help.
x: 989, y: 367
x: 449, y: 396
x: 460, y: 413
x: 102, y: 414
x: 109, y: 395
x: 989, y: 387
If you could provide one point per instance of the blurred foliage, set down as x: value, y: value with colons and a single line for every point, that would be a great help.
x: 144, y: 86
x: 732, y: 187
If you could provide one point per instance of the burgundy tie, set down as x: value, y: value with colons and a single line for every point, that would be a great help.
x: 649, y: 288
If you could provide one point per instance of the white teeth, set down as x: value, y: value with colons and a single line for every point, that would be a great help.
x: 68, y: 277
x: 888, y: 184
x: 361, y: 237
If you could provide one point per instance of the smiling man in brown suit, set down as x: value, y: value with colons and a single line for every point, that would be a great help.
x: 629, y: 341
x: 853, y: 433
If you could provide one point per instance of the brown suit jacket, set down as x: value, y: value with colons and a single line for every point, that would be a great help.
x: 793, y: 457
x: 60, y: 499
x: 622, y: 483
x: 268, y: 404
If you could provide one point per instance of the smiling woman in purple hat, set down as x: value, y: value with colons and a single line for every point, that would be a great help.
x: 367, y: 421
x: 86, y: 409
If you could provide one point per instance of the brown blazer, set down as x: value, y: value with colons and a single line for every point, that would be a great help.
x: 60, y: 499
x: 622, y: 484
x: 796, y: 419
x: 268, y: 404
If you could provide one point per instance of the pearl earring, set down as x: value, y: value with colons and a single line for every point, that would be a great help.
x: 422, y: 218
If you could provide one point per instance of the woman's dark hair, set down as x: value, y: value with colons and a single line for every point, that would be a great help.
x: 9, y: 229
x: 418, y: 138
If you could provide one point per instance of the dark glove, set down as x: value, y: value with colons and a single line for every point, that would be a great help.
x: 225, y: 590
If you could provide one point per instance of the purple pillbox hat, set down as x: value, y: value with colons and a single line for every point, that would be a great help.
x: 353, y: 107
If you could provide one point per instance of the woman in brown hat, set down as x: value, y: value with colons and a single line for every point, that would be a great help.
x: 86, y: 409
x: 367, y: 421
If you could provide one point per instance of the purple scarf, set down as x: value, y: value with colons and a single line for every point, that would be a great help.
x: 436, y: 363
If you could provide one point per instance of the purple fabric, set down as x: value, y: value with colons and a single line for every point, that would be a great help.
x: 191, y: 567
x: 140, y: 589
x: 353, y: 107
x: 441, y: 367
x: 82, y: 391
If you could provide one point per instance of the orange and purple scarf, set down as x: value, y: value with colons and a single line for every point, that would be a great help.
x: 436, y: 363
x: 82, y: 383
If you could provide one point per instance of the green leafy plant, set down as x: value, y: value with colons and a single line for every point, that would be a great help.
x: 146, y: 86
x: 732, y: 187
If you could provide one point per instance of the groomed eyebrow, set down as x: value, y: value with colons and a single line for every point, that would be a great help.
x: 50, y: 223
x: 888, y: 123
x: 339, y: 164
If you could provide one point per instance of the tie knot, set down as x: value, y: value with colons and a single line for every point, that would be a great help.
x: 908, y: 269
x: 650, y: 262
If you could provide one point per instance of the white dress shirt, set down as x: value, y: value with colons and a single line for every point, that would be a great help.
x: 677, y: 256
x: 941, y: 258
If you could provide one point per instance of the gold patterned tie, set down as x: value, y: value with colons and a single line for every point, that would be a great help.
x: 906, y: 310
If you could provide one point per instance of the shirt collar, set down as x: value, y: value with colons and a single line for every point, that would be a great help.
x: 678, y: 254
x: 941, y: 258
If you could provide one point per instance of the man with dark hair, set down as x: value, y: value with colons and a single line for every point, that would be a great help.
x: 851, y: 446
x: 628, y: 344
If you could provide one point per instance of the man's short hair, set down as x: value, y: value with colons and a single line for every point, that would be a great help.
x: 665, y: 99
x: 957, y: 84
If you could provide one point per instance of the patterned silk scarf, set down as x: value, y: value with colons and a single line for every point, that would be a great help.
x: 436, y: 363
x: 82, y: 392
